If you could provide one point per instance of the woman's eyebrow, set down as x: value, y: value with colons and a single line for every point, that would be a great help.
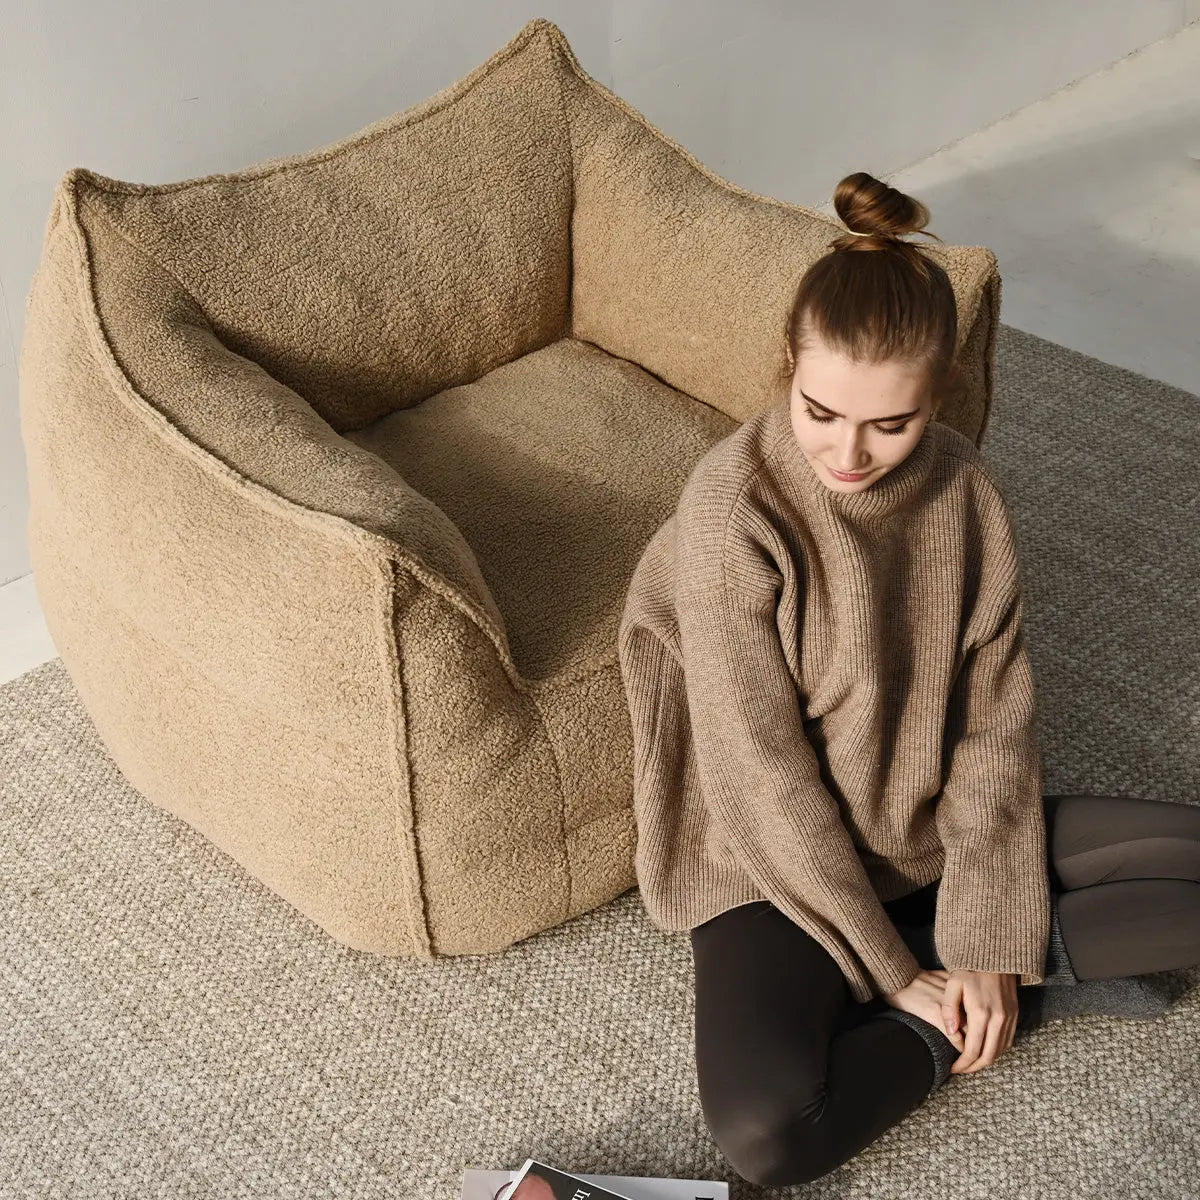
x: 897, y: 417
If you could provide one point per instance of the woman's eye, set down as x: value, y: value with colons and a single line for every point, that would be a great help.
x: 825, y: 421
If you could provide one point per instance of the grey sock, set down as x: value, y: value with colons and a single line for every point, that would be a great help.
x: 940, y: 1046
x: 1140, y: 997
x: 1058, y: 963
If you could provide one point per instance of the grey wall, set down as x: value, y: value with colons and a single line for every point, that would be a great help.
x: 781, y: 98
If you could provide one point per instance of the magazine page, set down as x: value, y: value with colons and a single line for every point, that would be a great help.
x: 481, y: 1184
x: 540, y: 1181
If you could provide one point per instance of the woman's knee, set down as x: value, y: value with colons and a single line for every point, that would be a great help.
x: 775, y: 1144
x: 1131, y: 927
x: 1101, y: 839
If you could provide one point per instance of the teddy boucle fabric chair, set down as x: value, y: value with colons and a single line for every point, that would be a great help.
x: 340, y: 465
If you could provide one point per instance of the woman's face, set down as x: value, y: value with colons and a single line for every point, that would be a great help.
x: 856, y: 417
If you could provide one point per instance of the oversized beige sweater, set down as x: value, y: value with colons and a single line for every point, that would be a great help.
x: 833, y: 705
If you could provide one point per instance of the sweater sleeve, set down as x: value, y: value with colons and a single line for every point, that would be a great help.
x: 993, y: 911
x: 762, y: 781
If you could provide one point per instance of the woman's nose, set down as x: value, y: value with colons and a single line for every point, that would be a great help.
x: 850, y: 458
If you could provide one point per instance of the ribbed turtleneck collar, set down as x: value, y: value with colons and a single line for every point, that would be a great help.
x: 887, y: 495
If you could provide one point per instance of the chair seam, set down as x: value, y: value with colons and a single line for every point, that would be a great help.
x: 562, y: 805
x: 417, y: 904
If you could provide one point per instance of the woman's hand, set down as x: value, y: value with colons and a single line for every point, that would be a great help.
x: 990, y: 1002
x: 923, y: 998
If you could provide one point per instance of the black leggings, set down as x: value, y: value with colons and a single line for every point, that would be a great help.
x: 796, y: 1077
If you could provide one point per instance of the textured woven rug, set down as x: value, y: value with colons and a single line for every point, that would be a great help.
x: 168, y: 1027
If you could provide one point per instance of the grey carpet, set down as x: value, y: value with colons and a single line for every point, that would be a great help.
x: 168, y: 1027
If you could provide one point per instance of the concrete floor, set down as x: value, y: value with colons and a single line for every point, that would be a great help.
x: 1090, y: 200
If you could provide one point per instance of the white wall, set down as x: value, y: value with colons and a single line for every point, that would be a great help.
x: 783, y: 98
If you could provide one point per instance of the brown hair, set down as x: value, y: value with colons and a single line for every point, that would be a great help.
x: 873, y: 298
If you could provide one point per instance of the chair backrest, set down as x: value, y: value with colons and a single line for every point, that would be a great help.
x: 421, y: 252
x: 523, y: 203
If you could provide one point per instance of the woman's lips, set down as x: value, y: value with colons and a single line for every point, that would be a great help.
x: 849, y: 478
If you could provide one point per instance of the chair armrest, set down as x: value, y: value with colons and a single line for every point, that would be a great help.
x: 258, y: 426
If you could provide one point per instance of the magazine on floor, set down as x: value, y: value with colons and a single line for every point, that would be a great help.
x: 536, y: 1180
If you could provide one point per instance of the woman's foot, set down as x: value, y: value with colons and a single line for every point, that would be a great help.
x: 1138, y: 997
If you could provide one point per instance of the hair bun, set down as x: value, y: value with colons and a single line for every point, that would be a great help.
x: 870, y: 208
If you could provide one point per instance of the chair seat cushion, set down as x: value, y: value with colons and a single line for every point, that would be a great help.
x: 557, y: 468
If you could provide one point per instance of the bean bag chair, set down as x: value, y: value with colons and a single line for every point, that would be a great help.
x: 340, y: 465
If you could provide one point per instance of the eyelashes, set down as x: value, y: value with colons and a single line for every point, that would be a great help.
x: 825, y: 421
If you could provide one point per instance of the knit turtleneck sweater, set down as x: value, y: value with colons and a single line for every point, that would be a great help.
x: 833, y: 706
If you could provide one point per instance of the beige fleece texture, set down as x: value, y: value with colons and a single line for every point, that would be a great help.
x: 340, y: 466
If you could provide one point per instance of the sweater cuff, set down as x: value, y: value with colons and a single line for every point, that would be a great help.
x: 1057, y: 969
x: 993, y: 912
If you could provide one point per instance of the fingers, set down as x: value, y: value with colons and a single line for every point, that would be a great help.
x: 978, y: 1025
x: 990, y: 1022
x: 984, y: 1048
x: 952, y: 1017
x: 992, y: 1041
x: 976, y: 1028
